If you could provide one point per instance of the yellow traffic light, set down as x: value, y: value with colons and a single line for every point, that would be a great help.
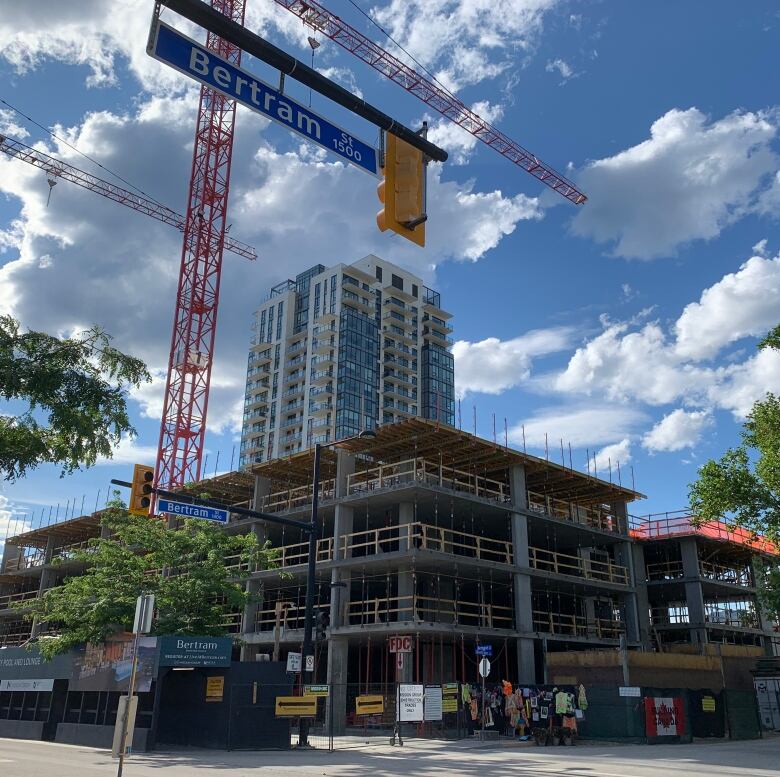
x: 141, y: 491
x: 403, y: 191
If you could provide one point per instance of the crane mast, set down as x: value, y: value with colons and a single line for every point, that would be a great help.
x: 331, y: 26
x: 185, y: 403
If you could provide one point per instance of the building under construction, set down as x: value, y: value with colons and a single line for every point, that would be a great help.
x: 452, y: 540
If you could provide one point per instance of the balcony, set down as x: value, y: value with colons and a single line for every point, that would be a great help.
x: 297, y: 347
x: 393, y: 347
x: 327, y: 358
x: 320, y: 377
x: 293, y: 406
x: 419, y: 470
x: 393, y: 390
x: 262, y: 357
x: 437, y: 337
x: 399, y: 377
x: 437, y: 323
x: 291, y: 439
x: 299, y: 374
x: 594, y: 517
x: 366, y: 304
x: 292, y: 498
x: 576, y: 566
x: 323, y: 330
x: 323, y: 345
x: 297, y: 421
x: 565, y: 625
x: 318, y: 408
x: 392, y: 317
x: 321, y: 391
x: 398, y: 333
x: 293, y: 391
x: 291, y: 364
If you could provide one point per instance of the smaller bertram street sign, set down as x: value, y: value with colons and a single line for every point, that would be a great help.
x: 184, y: 510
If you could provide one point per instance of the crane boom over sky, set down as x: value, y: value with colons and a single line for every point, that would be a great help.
x: 319, y: 18
x: 59, y: 169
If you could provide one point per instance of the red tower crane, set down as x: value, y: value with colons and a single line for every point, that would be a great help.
x: 440, y: 99
x: 186, y: 398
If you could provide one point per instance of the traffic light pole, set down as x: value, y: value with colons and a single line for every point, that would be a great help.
x: 308, y: 618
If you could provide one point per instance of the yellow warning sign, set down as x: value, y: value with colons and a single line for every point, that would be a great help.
x: 449, y: 702
x: 370, y: 704
x: 215, y: 688
x: 708, y: 703
x: 315, y: 690
x: 296, y: 706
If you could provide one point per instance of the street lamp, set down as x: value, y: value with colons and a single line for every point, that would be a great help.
x: 308, y: 618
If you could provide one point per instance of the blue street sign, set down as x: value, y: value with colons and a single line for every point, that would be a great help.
x: 194, y: 60
x: 185, y: 510
x: 484, y: 650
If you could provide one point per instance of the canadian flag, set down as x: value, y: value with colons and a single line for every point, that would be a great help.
x: 664, y: 716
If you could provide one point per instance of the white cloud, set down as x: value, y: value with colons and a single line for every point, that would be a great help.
x: 647, y: 364
x: 688, y: 181
x: 458, y: 143
x: 343, y: 76
x: 677, y: 430
x: 609, y: 457
x: 10, y: 126
x: 130, y: 452
x: 79, y: 260
x: 580, y: 425
x: 464, y: 41
x: 491, y: 366
x: 561, y: 67
x: 743, y: 303
x: 12, y: 522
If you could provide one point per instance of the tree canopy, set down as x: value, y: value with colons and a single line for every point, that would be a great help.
x: 194, y: 571
x: 744, y: 484
x: 72, y: 397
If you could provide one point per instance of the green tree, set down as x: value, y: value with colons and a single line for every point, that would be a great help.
x: 194, y: 571
x: 744, y: 483
x: 72, y: 393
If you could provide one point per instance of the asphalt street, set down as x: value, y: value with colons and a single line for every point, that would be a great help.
x: 416, y: 759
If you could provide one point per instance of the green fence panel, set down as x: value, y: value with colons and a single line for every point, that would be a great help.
x: 742, y: 713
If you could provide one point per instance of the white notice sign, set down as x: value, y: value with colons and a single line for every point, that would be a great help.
x: 410, y: 703
x: 293, y: 662
x: 26, y: 685
x: 433, y: 706
x: 629, y: 690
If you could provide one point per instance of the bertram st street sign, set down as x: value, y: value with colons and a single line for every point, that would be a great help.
x: 194, y: 60
x: 192, y: 511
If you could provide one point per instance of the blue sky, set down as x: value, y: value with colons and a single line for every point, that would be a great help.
x: 626, y: 327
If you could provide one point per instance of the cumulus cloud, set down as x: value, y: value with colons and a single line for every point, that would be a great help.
x: 580, y: 425
x: 464, y: 41
x: 491, y: 366
x: 677, y: 430
x: 740, y: 304
x: 688, y: 181
x: 103, y: 36
x: 650, y: 364
x: 608, y: 458
x: 83, y: 258
x: 12, y: 522
x: 459, y: 143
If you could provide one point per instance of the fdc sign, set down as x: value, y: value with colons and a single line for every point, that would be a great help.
x: 194, y: 60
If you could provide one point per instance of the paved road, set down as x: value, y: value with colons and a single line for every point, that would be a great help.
x: 416, y: 759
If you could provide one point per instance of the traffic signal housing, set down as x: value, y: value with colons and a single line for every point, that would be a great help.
x: 321, y: 623
x: 402, y: 191
x: 141, y: 490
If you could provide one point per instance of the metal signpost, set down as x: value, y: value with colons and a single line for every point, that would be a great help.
x: 484, y: 671
x: 142, y: 624
x: 196, y: 61
x: 184, y: 510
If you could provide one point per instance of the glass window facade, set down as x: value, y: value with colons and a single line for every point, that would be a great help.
x: 438, y: 383
x: 357, y: 384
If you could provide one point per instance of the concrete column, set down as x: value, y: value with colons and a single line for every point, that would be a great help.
x: 338, y: 665
x: 636, y: 630
x: 262, y: 489
x: 48, y: 578
x: 694, y: 596
x: 343, y: 525
x: 521, y: 581
x: 405, y: 575
x: 639, y: 576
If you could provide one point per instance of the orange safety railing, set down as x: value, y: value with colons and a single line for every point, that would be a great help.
x: 681, y: 524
